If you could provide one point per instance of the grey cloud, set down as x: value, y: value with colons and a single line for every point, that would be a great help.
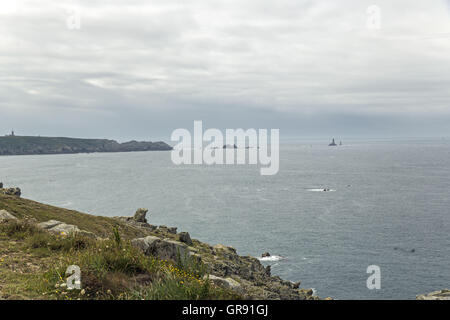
x: 140, y: 67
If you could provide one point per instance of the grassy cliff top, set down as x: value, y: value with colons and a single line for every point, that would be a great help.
x: 33, y: 262
x: 121, y: 258
x: 32, y: 210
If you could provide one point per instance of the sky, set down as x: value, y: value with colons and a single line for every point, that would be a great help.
x: 139, y: 69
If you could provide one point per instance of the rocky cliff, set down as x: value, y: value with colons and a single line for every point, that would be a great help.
x: 122, y: 258
x: 22, y: 145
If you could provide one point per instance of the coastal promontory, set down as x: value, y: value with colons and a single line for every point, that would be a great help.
x: 28, y: 145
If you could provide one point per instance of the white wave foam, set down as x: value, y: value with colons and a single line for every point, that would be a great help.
x: 66, y: 204
x: 321, y: 190
x: 271, y: 258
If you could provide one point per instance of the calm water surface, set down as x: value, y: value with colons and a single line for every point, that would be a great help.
x: 389, y: 198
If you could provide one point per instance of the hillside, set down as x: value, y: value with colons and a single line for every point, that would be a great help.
x: 121, y: 258
x: 23, y: 145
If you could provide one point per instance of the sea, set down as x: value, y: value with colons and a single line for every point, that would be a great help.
x: 388, y: 206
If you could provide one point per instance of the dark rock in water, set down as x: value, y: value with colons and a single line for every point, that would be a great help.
x: 265, y: 254
x: 140, y: 215
x: 413, y: 250
x: 185, y: 237
x: 296, y: 285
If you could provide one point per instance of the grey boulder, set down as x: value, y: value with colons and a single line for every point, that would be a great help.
x: 140, y: 215
x: 164, y: 249
x: 61, y: 228
x: 228, y: 283
x: 6, y: 216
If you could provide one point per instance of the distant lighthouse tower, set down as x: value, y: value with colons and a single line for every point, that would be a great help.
x: 12, y: 133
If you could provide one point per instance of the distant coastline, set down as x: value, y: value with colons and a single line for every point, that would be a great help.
x: 30, y: 145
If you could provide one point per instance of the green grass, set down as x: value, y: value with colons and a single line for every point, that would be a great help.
x: 101, y: 226
x: 110, y: 269
x: 18, y: 230
x: 33, y: 262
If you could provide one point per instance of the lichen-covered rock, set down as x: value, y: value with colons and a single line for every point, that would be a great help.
x: 435, y: 295
x: 185, y: 237
x: 227, y: 249
x: 140, y: 215
x: 12, y: 191
x: 255, y: 279
x: 228, y: 283
x: 48, y: 224
x: 61, y: 228
x: 165, y: 249
x: 6, y: 216
x: 139, y: 220
x: 164, y: 229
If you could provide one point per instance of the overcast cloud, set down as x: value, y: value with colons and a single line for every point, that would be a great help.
x: 139, y: 68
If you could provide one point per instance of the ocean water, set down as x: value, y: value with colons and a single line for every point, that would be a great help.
x: 389, y: 206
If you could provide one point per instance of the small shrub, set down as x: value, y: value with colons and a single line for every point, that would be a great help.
x: 116, y: 237
x: 39, y: 240
x: 19, y: 230
x: 57, y: 243
x: 191, y: 265
x: 171, y: 288
x: 105, y: 257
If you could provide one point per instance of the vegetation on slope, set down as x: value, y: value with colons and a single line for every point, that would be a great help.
x: 33, y: 262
